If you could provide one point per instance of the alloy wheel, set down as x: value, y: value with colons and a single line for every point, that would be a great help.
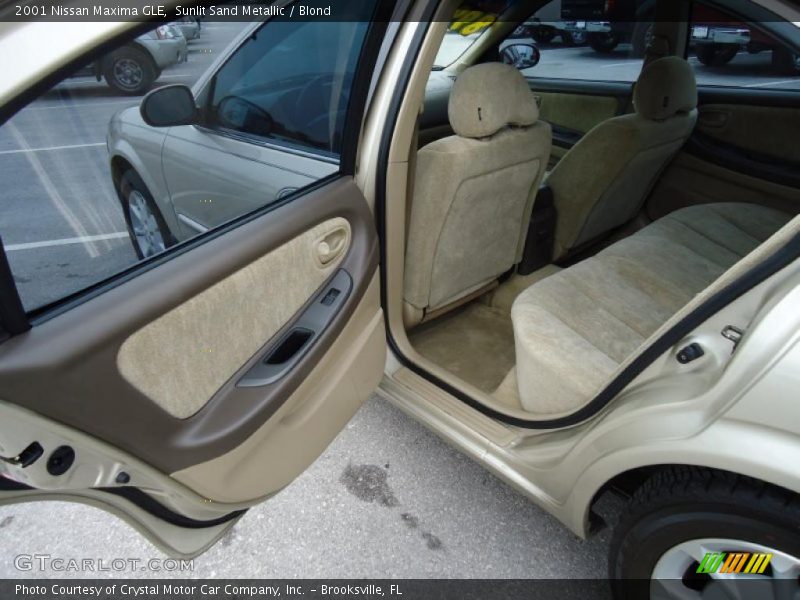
x: 128, y: 73
x: 144, y: 225
x: 676, y: 576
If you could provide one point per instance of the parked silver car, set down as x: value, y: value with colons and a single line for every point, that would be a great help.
x: 176, y: 182
x: 133, y: 68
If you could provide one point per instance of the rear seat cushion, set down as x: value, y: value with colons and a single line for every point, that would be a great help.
x: 573, y: 329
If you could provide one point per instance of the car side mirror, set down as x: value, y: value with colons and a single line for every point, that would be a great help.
x: 168, y: 106
x: 521, y: 56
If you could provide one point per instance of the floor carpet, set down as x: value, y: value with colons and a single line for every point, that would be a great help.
x: 475, y: 343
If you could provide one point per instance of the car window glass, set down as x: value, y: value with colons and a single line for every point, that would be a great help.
x: 578, y: 40
x: 569, y: 38
x: 289, y: 82
x: 90, y: 189
x: 730, y: 51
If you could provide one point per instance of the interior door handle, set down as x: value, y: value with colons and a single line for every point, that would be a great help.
x: 331, y: 245
x: 288, y: 348
x: 714, y: 118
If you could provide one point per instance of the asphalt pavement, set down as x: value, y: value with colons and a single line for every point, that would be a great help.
x: 386, y: 499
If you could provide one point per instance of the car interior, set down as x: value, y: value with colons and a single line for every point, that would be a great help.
x: 299, y: 104
x: 554, y: 226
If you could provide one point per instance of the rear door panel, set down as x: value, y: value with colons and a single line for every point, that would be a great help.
x: 182, y: 390
x: 147, y: 355
x: 744, y: 149
x: 150, y: 368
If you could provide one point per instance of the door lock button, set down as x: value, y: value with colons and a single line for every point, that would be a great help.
x: 689, y: 353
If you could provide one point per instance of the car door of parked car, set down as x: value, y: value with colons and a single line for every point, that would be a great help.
x: 179, y: 390
x: 285, y: 73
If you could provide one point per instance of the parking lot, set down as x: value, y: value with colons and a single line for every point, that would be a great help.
x: 62, y: 222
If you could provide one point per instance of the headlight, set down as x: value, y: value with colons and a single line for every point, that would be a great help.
x: 163, y: 33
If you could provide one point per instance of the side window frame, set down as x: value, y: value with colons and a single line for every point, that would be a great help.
x: 754, y: 17
x: 568, y: 79
x: 206, y: 95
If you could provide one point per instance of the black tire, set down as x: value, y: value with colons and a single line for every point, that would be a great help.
x: 543, y: 35
x: 131, y: 182
x: 687, y: 503
x: 603, y: 43
x: 130, y: 71
x: 716, y: 55
x: 573, y: 39
x: 642, y: 34
x: 785, y: 62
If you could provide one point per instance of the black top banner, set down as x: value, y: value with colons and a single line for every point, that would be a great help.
x: 143, y: 11
x: 478, y: 11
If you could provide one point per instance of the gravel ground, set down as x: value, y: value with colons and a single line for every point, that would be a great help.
x: 386, y: 499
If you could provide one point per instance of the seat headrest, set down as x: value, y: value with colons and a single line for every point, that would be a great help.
x: 665, y: 88
x: 487, y: 97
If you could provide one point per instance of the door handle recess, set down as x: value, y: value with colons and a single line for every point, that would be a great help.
x: 331, y: 246
x: 288, y: 348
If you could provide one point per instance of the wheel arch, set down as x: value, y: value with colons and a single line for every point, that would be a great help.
x: 119, y: 165
x: 123, y: 157
x: 627, y: 478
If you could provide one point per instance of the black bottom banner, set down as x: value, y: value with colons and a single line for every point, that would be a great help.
x: 370, y: 589
x: 308, y: 589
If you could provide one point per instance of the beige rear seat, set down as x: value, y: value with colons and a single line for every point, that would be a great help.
x: 574, y: 328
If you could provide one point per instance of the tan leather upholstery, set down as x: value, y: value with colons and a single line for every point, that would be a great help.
x: 602, y: 182
x: 574, y: 329
x: 473, y: 191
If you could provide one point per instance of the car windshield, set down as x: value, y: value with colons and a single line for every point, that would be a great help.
x: 471, y: 19
x: 453, y: 45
